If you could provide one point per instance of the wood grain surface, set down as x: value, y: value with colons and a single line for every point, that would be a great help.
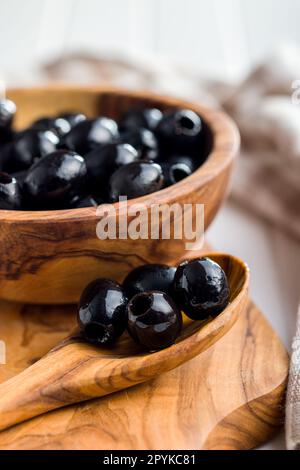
x: 49, y: 256
x: 228, y: 397
x: 75, y: 371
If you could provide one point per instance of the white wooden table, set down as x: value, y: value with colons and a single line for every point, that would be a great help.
x: 274, y: 261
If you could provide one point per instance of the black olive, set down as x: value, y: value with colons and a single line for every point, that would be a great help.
x: 136, y: 179
x: 154, y: 320
x: 88, y: 134
x: 72, y: 118
x: 177, y: 168
x: 180, y: 131
x: 201, y: 289
x: 102, y: 312
x: 104, y: 160
x: 144, y: 141
x: 10, y: 193
x: 137, y: 118
x: 81, y: 202
x: 55, y: 179
x: 20, y: 177
x: 149, y: 277
x: 27, y: 146
x: 61, y: 124
x: 7, y: 113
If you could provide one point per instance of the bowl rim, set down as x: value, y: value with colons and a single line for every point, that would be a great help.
x: 226, y: 144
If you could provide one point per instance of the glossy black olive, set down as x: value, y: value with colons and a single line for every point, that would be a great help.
x: 72, y: 118
x: 55, y: 179
x: 149, y: 277
x: 136, y: 179
x: 81, y: 202
x: 180, y: 131
x: 201, y: 289
x: 27, y: 146
x: 60, y: 126
x: 104, y: 160
x: 137, y: 118
x: 144, y: 141
x: 7, y: 113
x: 154, y: 320
x: 177, y: 168
x: 20, y: 177
x: 88, y: 134
x: 10, y: 193
x: 102, y: 312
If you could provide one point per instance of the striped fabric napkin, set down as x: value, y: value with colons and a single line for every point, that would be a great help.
x: 293, y: 395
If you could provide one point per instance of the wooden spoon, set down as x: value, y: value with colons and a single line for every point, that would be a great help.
x: 75, y: 371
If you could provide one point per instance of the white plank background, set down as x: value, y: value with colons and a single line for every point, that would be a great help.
x: 221, y: 38
x: 217, y: 37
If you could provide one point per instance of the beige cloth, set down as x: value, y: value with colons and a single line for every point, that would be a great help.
x: 293, y: 395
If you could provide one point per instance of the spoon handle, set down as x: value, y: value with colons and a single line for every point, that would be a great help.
x: 52, y: 382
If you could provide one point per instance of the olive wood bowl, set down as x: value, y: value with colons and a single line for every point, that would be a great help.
x: 49, y: 256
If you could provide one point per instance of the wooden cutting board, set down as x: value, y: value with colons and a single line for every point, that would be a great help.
x: 229, y: 397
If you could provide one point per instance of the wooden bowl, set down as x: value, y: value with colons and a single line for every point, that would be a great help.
x: 50, y: 256
x: 74, y: 371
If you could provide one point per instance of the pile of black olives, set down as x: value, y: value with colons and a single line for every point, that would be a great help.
x: 70, y: 161
x: 150, y: 303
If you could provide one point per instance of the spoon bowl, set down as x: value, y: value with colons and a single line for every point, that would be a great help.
x: 75, y: 371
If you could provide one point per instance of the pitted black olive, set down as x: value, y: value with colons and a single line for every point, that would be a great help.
x: 102, y: 312
x: 88, y: 134
x: 57, y: 125
x: 180, y: 131
x: 7, y: 113
x: 154, y: 320
x: 136, y: 179
x: 10, y: 193
x: 134, y: 119
x: 104, y: 160
x: 20, y: 177
x: 61, y: 124
x: 201, y: 289
x: 144, y: 141
x: 149, y: 277
x: 28, y: 146
x: 55, y: 179
x: 177, y: 168
x: 72, y: 118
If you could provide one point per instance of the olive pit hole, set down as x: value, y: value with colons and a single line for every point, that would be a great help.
x: 179, y: 172
x: 186, y: 123
x: 140, y: 304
